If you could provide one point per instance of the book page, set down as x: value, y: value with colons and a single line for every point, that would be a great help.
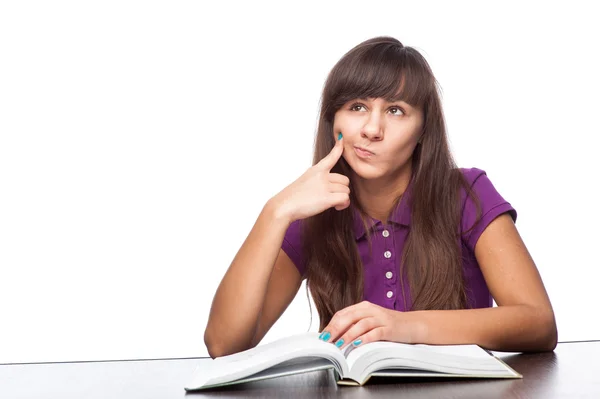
x: 243, y: 364
x: 470, y: 351
x: 448, y: 359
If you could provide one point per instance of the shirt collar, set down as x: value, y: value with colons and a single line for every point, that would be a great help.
x: 400, y: 214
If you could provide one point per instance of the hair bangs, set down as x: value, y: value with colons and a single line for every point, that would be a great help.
x: 384, y: 71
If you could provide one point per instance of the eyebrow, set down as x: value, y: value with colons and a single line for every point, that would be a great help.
x: 389, y: 102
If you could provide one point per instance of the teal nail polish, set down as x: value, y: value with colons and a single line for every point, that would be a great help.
x: 339, y: 343
x: 340, y: 136
x: 321, y: 336
x: 326, y: 336
x: 357, y: 342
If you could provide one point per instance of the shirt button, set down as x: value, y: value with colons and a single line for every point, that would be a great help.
x: 385, y: 233
x: 389, y: 275
x: 387, y: 254
x: 389, y: 294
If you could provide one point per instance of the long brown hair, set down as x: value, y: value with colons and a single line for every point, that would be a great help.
x: 382, y: 67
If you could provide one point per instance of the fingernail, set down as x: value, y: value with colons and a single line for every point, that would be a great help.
x: 340, y: 136
x: 339, y: 343
x: 357, y: 342
x: 325, y: 336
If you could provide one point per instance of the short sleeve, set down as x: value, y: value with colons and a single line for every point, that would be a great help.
x: 292, y: 246
x: 492, y: 206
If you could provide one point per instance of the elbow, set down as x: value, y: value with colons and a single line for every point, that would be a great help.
x: 217, y: 347
x: 214, y: 350
x: 548, y: 332
x: 552, y: 339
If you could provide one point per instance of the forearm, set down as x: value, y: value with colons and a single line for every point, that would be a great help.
x: 240, y: 296
x: 518, y: 328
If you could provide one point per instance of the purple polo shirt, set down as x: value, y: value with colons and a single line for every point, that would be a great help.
x: 381, y: 284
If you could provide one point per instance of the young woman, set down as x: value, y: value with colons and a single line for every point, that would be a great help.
x: 395, y: 241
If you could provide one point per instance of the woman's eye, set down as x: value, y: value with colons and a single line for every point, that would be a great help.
x: 398, y: 110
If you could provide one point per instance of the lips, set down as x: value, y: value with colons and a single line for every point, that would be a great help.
x: 364, y: 149
x: 362, y: 152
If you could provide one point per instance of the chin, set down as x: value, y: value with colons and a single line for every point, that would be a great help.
x: 367, y: 172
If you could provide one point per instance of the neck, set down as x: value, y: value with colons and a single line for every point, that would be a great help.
x: 378, y: 196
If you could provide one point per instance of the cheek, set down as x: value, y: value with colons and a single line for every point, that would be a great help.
x: 401, y: 155
x: 338, y: 127
x: 342, y: 124
x: 398, y: 152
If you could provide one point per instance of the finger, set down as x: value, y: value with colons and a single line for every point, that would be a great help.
x: 372, y: 335
x: 334, y: 155
x: 338, y: 188
x: 343, y: 206
x: 338, y: 199
x: 345, y: 318
x: 339, y: 178
x: 358, y: 330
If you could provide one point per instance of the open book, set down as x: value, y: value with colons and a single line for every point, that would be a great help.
x: 354, y: 366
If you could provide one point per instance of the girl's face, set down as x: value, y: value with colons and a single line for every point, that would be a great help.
x: 379, y: 137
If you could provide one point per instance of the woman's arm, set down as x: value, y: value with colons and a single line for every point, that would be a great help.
x: 237, y: 305
x: 516, y: 328
x: 522, y: 322
x: 524, y: 319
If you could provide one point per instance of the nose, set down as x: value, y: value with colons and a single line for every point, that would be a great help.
x: 372, y: 130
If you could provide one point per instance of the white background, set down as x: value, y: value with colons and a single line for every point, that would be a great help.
x: 140, y: 140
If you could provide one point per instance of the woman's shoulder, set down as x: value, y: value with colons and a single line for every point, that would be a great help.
x: 472, y: 174
x: 492, y: 204
x: 479, y: 181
